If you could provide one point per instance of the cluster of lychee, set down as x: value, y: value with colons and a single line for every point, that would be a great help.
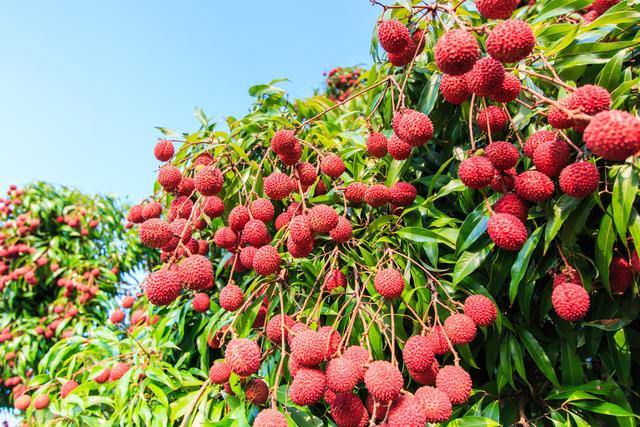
x: 325, y: 370
x: 341, y: 82
x: 401, y: 44
x: 597, y: 9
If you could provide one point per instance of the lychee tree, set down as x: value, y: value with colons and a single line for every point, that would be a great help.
x: 63, y: 255
x: 452, y: 243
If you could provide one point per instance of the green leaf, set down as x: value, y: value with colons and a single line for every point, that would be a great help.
x: 469, y: 262
x: 572, y: 372
x: 538, y: 355
x: 625, y: 188
x: 519, y: 267
x: 561, y: 211
x: 606, y: 408
x: 604, y: 247
x: 609, y: 76
x: 473, y: 421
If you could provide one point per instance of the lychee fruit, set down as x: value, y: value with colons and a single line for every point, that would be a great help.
x: 332, y: 166
x: 256, y: 391
x: 270, y: 418
x: 262, y: 209
x: 243, y: 356
x: 213, y: 206
x: 299, y: 229
x: 307, y: 347
x: 455, y: 382
x: 196, y: 272
x: 406, y: 411
x: 162, y: 287
x: 22, y: 403
x: 418, y: 353
x: 496, y: 9
x: 514, y: 205
x: 118, y: 370
x: 508, y: 91
x: 163, y: 150
x: 307, y: 387
x: 219, y: 373
x: 557, y: 118
x: 342, y: 232
x: 347, y: 410
x: 507, y: 232
x: 238, y: 217
x: 398, y: 149
x: 415, y: 128
x: 579, y: 179
x: 534, y: 186
x: 377, y: 145
x: 402, y: 193
x: 67, y: 388
x: 613, y: 135
x: 169, y: 177
x: 460, y: 329
x: 534, y: 140
x: 570, y: 301
x: 510, y: 41
x: 225, y: 238
x: 377, y: 195
x: 393, y: 36
x: 335, y: 279
x: 435, y: 404
x: 486, y: 75
x: 456, y: 51
x: 342, y: 374
x: 322, y: 218
x: 277, y: 186
x: 480, y: 309
x: 155, y: 233
x: 439, y: 340
x: 504, y: 181
x: 231, y: 297
x: 389, y: 283
x: 454, y: 89
x: 255, y: 233
x: 567, y: 275
x: 590, y: 100
x: 201, y: 302
x: 209, y: 181
x: 117, y: 316
x: 383, y: 381
x: 476, y: 172
x: 620, y: 275
x: 551, y: 156
x: 503, y: 155
x: 354, y: 192
x: 283, y: 142
x: 266, y: 260
x: 492, y: 119
x: 278, y: 328
x: 152, y: 210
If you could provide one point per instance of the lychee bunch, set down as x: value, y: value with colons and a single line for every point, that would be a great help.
x: 510, y: 41
x: 393, y: 36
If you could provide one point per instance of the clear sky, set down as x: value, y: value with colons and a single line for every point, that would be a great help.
x: 83, y: 83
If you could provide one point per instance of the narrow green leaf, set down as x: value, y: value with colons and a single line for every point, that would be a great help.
x: 625, y: 188
x: 604, y: 247
x: 519, y: 267
x: 561, y: 211
x: 469, y: 262
x: 538, y: 355
x: 603, y: 408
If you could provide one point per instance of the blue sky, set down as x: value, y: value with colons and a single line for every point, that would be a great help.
x: 83, y: 83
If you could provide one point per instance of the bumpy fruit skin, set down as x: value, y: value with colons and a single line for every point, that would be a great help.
x: 118, y: 370
x: 347, y: 410
x: 135, y: 214
x: 504, y: 181
x: 486, y: 75
x: 393, y: 36
x: 481, y: 310
x: 67, y: 388
x: 169, y: 177
x: 454, y: 89
x: 225, y: 238
x: 307, y: 386
x: 322, y: 218
x: 282, y: 220
x: 162, y: 287
x: 332, y: 166
x: 278, y: 327
x: 163, y: 150
x: 270, y: 418
x: 557, y: 118
x: 476, y: 172
x: 306, y: 173
x: 335, y: 279
x: 152, y: 210
x: 256, y: 391
x: 510, y: 41
x: 456, y: 51
x: 377, y: 195
x: 496, y: 9
x: 590, y: 16
x: 238, y: 217
x: 209, y: 181
x: 266, y: 260
x: 299, y: 250
x: 415, y: 128
x: 534, y: 186
x: 407, y: 412
x: 262, y: 209
x: 360, y: 356
x: 213, y: 206
x: 342, y: 232
x: 377, y: 145
x: 354, y: 192
x: 439, y: 341
x: 155, y: 233
x: 589, y: 99
x: 307, y: 347
x: 201, y: 302
x: 460, y: 329
x: 299, y: 229
x: 567, y: 275
x: 579, y: 179
x: 196, y: 272
x: 507, y: 232
x: 503, y: 155
x: 342, y: 374
x: 570, y: 301
x: 403, y: 193
x: 455, y: 382
x: 283, y: 142
x: 103, y: 376
x: 242, y: 356
x: 508, y: 91
x: 601, y: 6
x: 551, y: 156
x: 428, y: 376
x: 22, y: 402
x: 277, y: 186
x: 514, y: 205
x: 331, y: 341
x: 535, y: 139
x: 417, y: 354
x: 219, y: 373
x: 613, y: 135
x: 398, y: 149
x: 255, y: 233
x: 383, y: 381
x: 389, y: 283
x: 620, y: 275
x: 492, y: 119
x: 435, y: 404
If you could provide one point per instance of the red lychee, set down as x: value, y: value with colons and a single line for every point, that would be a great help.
x: 620, y: 275
x: 283, y: 142
x: 510, y: 41
x: 162, y: 287
x: 389, y: 283
x: 456, y: 51
x: 155, y: 233
x: 476, y: 172
x: 169, y: 177
x: 570, y: 301
x: 402, y: 193
x: 278, y: 328
x: 342, y: 374
x: 579, y: 179
x: 418, y: 353
x: 322, y: 218
x: 460, y: 329
x: 209, y: 181
x: 213, y: 206
x: 266, y: 260
x: 398, y: 149
x: 496, y: 9
x: 342, y: 232
x: 332, y: 166
x: 377, y: 195
x: 270, y: 418
x: 508, y: 91
x: 307, y: 387
x: 201, y: 302
x: 507, y: 232
x: 243, y: 356
x: 503, y: 155
x: 354, y: 192
x: 492, y: 119
x: 262, y: 209
x: 613, y: 135
x: 486, y: 75
x: 480, y: 309
x: 196, y: 272
x: 219, y: 373
x: 415, y: 128
x: 383, y: 381
x: 551, y: 156
x: 454, y: 89
x: 393, y: 36
x: 377, y: 145
x: 534, y: 186
x: 455, y: 382
x: 435, y: 404
x: 534, y: 140
x: 277, y: 186
x: 514, y: 205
